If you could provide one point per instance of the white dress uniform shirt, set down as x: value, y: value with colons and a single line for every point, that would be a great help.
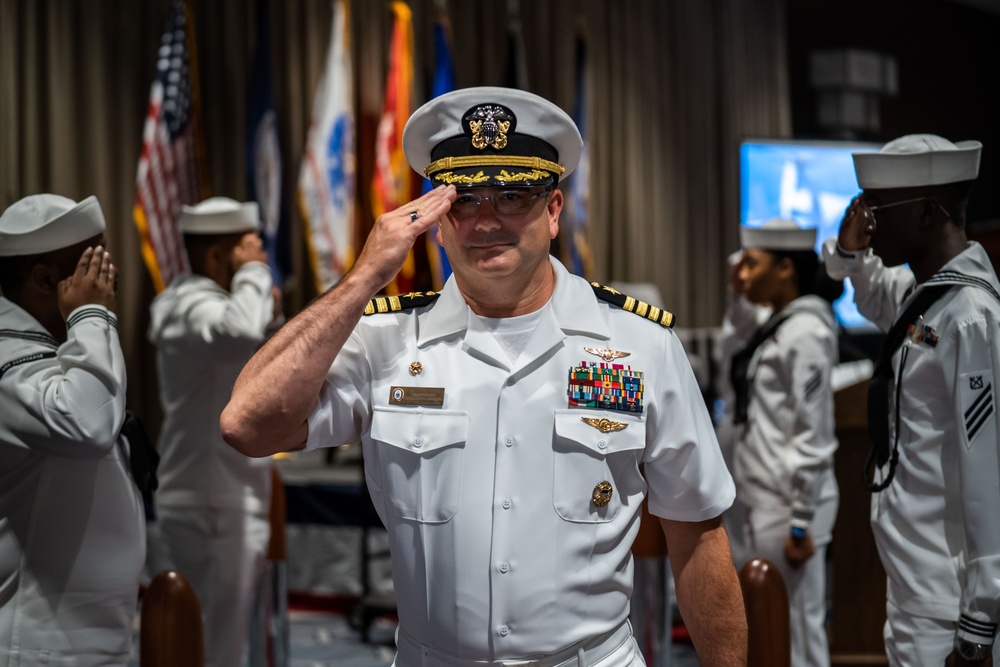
x: 204, y: 336
x: 936, y: 524
x: 498, y: 550
x: 71, y: 518
x: 212, y: 502
x: 784, y: 463
x: 784, y: 457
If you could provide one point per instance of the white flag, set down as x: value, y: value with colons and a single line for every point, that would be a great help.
x: 327, y: 177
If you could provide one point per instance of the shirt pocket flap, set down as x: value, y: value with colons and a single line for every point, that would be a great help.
x: 420, y: 431
x: 602, y: 432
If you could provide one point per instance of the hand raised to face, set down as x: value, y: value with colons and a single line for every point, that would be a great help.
x: 94, y: 281
x: 857, y: 227
x: 396, y: 231
x: 249, y: 249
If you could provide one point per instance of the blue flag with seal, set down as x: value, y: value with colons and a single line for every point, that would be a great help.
x: 444, y: 82
x: 263, y: 153
x: 327, y: 176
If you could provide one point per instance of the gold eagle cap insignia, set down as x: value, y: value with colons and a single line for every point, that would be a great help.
x: 604, y: 425
x: 607, y: 353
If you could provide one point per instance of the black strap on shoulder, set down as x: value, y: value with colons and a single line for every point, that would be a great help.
x: 878, y: 388
x: 739, y: 369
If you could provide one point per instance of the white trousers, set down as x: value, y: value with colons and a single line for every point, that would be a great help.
x: 764, y: 534
x: 221, y: 552
x: 616, y: 649
x: 915, y: 641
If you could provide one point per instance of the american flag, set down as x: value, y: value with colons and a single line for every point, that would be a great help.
x: 169, y: 168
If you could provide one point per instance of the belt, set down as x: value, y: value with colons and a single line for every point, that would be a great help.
x: 411, y: 653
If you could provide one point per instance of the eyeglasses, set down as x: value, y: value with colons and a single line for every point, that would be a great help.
x: 878, y: 207
x: 511, y: 202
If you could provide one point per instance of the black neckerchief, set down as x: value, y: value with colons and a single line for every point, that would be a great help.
x: 143, y: 459
x: 739, y: 369
x: 878, y: 389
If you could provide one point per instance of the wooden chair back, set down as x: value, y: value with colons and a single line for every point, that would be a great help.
x: 766, y: 602
x: 171, y: 633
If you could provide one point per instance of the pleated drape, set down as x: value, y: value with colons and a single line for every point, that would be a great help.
x: 674, y: 85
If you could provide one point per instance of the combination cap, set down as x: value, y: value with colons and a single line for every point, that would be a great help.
x: 491, y: 136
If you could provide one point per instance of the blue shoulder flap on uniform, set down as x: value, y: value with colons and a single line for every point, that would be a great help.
x: 395, y: 304
x: 662, y: 317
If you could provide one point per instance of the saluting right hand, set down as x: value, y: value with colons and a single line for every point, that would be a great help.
x: 249, y: 249
x: 396, y: 231
x: 857, y: 227
x: 93, y: 282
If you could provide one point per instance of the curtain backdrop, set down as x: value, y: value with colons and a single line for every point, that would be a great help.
x: 674, y: 85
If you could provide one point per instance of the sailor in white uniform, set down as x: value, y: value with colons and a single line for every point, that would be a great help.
x: 739, y: 323
x: 511, y: 424
x: 213, y: 502
x: 71, y: 518
x: 932, y: 402
x: 784, y: 419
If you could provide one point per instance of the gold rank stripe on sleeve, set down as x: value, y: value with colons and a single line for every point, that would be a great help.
x: 662, y: 317
x: 396, y: 304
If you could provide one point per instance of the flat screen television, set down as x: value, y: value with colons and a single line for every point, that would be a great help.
x: 811, y: 182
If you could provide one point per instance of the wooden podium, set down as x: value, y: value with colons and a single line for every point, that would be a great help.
x: 857, y: 580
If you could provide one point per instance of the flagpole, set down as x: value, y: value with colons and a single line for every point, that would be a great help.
x: 200, y: 152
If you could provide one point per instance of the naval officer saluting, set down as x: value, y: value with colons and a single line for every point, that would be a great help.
x: 511, y: 424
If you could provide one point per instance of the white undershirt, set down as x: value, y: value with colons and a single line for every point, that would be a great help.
x: 513, y: 333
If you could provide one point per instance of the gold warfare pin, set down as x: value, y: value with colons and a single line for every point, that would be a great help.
x: 604, y: 425
x: 607, y: 353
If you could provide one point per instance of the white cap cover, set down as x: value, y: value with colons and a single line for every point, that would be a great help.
x: 220, y: 215
x: 918, y: 160
x: 491, y: 136
x: 778, y: 234
x: 46, y: 222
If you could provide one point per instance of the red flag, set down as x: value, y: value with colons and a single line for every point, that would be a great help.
x: 170, y: 169
x: 393, y: 182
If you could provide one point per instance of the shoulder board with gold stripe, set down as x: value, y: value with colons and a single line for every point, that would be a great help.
x: 662, y: 317
x: 395, y: 304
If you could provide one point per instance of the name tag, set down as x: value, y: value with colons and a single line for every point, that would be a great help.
x: 433, y: 396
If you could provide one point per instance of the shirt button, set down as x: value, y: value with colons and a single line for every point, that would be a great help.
x: 510, y: 381
x: 509, y: 441
x: 503, y: 630
x: 602, y: 444
x: 504, y: 567
x: 506, y: 503
x: 418, y: 442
